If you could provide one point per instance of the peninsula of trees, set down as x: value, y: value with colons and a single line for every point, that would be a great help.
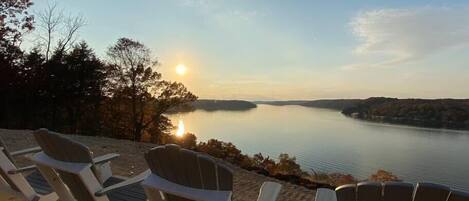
x: 434, y: 113
x: 214, y: 105
x: 335, y: 104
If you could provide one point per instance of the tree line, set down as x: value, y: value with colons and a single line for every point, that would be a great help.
x: 436, y: 113
x: 62, y: 85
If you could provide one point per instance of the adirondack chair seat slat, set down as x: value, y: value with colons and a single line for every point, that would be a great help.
x: 22, y: 169
x: 38, y: 183
x: 131, y: 193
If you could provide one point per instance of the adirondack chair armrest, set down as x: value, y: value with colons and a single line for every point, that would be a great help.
x: 22, y: 169
x: 269, y: 191
x: 25, y: 151
x: 105, y: 158
x: 158, y: 183
x: 325, y: 194
x: 125, y: 183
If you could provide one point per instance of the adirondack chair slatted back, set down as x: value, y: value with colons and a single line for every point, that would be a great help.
x: 369, y: 191
x: 431, y: 192
x: 397, y: 191
x: 63, y: 149
x: 188, y: 168
x: 2, y: 172
x: 346, y: 193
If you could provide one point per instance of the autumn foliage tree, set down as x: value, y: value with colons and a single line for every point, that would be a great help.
x: 135, y: 84
x: 14, y: 22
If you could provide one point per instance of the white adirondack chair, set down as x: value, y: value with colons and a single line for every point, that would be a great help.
x: 75, y: 175
x: 391, y: 191
x: 183, y: 175
x: 13, y: 177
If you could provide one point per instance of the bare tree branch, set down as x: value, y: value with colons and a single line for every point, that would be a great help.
x: 49, y: 20
x: 72, y: 25
x: 58, y: 28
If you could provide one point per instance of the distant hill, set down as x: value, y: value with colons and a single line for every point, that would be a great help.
x: 214, y: 105
x: 436, y: 113
x: 337, y: 104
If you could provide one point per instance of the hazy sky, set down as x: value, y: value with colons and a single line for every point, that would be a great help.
x: 263, y: 50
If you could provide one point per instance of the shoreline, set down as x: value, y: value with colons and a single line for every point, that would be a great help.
x: 396, y: 122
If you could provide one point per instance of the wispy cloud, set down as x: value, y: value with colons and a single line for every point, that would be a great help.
x: 398, y: 36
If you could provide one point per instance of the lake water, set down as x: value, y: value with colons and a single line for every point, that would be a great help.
x: 327, y: 141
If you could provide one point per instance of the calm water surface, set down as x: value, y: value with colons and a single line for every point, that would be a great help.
x: 327, y: 141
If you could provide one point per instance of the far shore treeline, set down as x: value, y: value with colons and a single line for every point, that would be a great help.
x: 432, y: 113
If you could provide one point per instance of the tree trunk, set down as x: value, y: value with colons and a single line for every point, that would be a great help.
x: 135, y: 129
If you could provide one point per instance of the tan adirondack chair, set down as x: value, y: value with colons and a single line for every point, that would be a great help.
x: 392, y: 191
x: 71, y: 170
x: 182, y: 175
x: 31, y: 186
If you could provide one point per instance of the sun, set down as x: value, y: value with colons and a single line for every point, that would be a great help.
x: 181, y: 69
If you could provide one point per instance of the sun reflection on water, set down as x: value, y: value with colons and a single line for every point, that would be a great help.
x: 180, y: 129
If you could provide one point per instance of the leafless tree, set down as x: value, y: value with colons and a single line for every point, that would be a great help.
x: 54, y: 24
x: 49, y: 19
x: 72, y: 25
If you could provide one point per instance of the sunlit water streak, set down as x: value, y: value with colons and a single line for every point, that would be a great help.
x: 180, y: 128
x: 325, y: 140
